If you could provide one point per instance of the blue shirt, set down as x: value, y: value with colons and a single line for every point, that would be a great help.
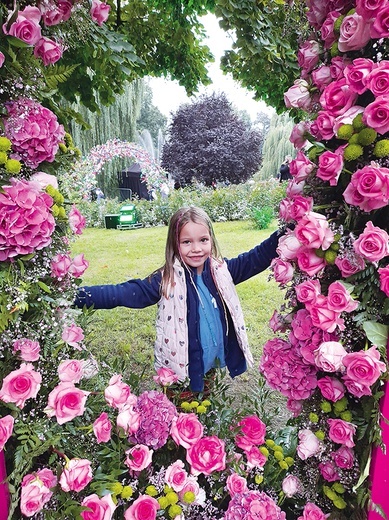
x: 211, y: 330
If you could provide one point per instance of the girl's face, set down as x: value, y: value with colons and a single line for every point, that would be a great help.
x: 195, y: 245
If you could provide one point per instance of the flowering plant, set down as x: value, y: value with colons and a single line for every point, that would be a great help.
x: 329, y: 357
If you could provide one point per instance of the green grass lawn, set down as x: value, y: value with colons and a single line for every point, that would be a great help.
x: 116, y: 256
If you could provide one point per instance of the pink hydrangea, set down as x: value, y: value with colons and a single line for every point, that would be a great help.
x: 286, y: 371
x: 34, y: 131
x: 157, y: 413
x: 26, y: 222
x: 253, y: 504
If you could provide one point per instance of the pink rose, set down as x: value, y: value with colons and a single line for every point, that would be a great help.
x: 337, y: 66
x: 71, y: 370
x: 27, y: 348
x: 207, y: 455
x: 26, y: 26
x: 165, y: 377
x: 313, y: 231
x: 44, y: 180
x: 129, y: 418
x: 176, y: 476
x: 20, y: 385
x: 347, y: 117
x: 117, y: 393
x: 376, y: 115
x: 323, y: 317
x: 76, y: 475
x: 309, y: 262
x: 372, y: 244
x: 60, y: 265
x: 48, y: 51
x: 186, y: 429
x: 309, y: 445
x: 308, y: 55
x: 102, y: 428
x: 294, y: 188
x: 329, y: 356
x: 289, y: 247
x: 323, y: 126
x: 378, y: 79
x: 138, y: 457
x: 73, y: 335
x: 2, y: 59
x: 77, y: 221
x: 301, y: 167
x: 339, y: 299
x: 341, y: 432
x: 6, y: 427
x: 298, y: 96
x: 349, y: 264
x: 291, y: 485
x: 369, y: 9
x: 252, y: 432
x: 34, y: 495
x: 328, y: 471
x: 65, y: 402
x: 369, y: 188
x: 364, y: 366
x: 343, y: 457
x: 384, y: 279
x: 298, y: 135
x: 354, y: 33
x: 322, y: 76
x: 99, y: 11
x: 294, y: 406
x: 380, y: 27
x: 331, y: 388
x: 307, y: 292
x: 356, y: 388
x: 98, y: 508
x: 143, y: 508
x: 327, y: 29
x: 312, y: 512
x: 338, y: 97
x: 282, y: 270
x: 236, y: 484
x: 255, y: 458
x: 55, y: 11
x: 300, y: 206
x: 330, y: 166
x: 78, y: 266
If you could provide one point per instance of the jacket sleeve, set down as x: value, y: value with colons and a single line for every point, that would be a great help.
x: 136, y: 294
x: 254, y: 261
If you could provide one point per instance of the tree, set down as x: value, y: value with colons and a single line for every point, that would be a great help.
x: 150, y: 117
x: 208, y: 141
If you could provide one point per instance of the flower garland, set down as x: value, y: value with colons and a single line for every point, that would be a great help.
x: 330, y: 357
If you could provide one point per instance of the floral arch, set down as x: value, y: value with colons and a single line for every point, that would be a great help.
x: 81, y: 178
x: 75, y: 440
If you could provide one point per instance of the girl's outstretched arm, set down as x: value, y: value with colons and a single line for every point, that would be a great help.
x: 136, y: 294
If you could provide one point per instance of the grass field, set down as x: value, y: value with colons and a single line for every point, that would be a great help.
x: 116, y: 256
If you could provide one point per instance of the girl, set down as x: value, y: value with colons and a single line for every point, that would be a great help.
x: 199, y: 321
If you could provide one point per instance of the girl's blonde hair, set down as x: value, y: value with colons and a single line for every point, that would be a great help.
x: 172, y: 252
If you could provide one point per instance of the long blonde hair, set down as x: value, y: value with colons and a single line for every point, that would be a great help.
x: 172, y: 251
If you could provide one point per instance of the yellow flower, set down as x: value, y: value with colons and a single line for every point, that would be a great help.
x: 270, y: 443
x: 5, y: 144
x: 3, y: 157
x: 185, y: 405
x: 116, y: 488
x: 283, y: 464
x: 174, y: 511
x: 13, y: 166
x: 189, y: 497
x: 264, y: 451
x: 151, y: 491
x: 206, y: 403
x: 201, y: 409
x: 194, y: 404
x: 278, y: 455
x: 289, y: 461
x: 127, y: 492
x: 163, y: 502
x: 172, y: 497
x: 258, y: 479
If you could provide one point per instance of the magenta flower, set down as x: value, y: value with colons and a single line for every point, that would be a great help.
x: 34, y: 131
x: 253, y: 504
x: 26, y: 222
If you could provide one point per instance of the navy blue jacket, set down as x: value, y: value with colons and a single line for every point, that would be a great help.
x: 138, y: 294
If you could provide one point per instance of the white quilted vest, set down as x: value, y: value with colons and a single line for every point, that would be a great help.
x: 171, y: 346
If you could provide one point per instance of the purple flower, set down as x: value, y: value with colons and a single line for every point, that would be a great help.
x: 253, y: 504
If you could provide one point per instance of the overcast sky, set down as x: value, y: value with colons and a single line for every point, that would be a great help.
x: 168, y: 95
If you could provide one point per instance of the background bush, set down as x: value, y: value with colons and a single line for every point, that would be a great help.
x: 257, y: 201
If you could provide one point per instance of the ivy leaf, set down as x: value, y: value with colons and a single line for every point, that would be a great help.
x: 377, y: 333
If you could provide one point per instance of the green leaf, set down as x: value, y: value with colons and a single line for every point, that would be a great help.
x: 376, y: 333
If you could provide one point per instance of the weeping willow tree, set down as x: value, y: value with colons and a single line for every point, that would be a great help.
x: 116, y: 121
x: 276, y: 146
